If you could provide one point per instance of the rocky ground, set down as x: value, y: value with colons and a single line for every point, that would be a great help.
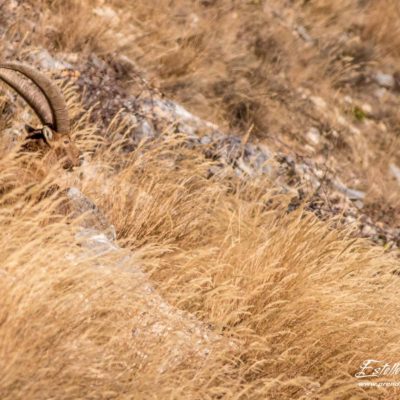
x: 315, y: 168
x: 271, y: 305
x: 150, y: 114
x: 115, y: 83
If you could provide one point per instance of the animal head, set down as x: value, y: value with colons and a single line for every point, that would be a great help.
x: 52, y: 140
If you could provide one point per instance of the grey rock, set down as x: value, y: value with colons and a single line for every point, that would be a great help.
x: 313, y: 136
x: 96, y: 241
x: 369, y: 231
x: 92, y: 217
x: 156, y: 319
x: 245, y: 167
x: 205, y: 140
x: 352, y: 194
x: 97, y: 62
x: 230, y: 149
x: 258, y: 160
x: 144, y: 130
x: 48, y: 62
x: 359, y: 204
x: 384, y: 80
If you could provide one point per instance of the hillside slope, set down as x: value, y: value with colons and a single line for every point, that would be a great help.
x: 243, y: 247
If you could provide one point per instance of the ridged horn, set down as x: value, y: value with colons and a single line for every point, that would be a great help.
x: 48, y: 103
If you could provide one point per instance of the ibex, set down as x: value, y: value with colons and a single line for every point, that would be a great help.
x: 53, y: 139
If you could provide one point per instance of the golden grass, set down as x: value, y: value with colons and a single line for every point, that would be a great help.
x: 303, y: 304
x: 241, y: 66
x: 383, y: 28
x: 61, y: 30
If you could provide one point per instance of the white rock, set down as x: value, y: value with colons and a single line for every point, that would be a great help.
x: 265, y: 150
x: 145, y: 130
x: 205, y: 140
x: 350, y: 219
x: 71, y: 57
x: 96, y: 241
x: 385, y: 80
x: 244, y: 167
x: 313, y: 136
x: 368, y: 230
x: 352, y: 194
x: 47, y: 61
x: 359, y: 204
x: 367, y: 108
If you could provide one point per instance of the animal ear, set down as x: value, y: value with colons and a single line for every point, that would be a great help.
x: 29, y: 129
x: 47, y: 133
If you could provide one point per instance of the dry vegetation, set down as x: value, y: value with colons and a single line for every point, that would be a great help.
x: 258, y: 66
x: 245, y: 66
x: 303, y: 316
x: 304, y: 304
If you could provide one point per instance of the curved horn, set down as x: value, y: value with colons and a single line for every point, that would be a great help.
x: 33, y: 97
x: 54, y: 113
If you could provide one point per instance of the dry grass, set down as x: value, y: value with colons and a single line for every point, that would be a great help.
x: 382, y: 27
x: 304, y: 304
x: 54, y: 26
x: 241, y: 65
